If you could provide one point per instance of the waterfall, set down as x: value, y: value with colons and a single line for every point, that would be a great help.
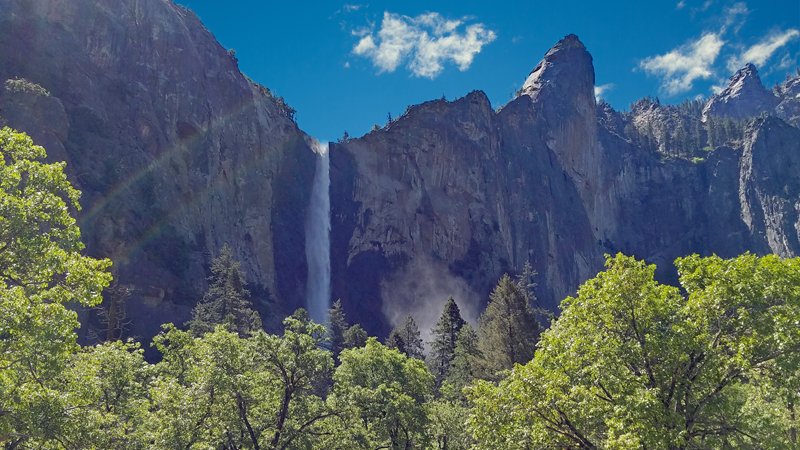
x: 318, y: 241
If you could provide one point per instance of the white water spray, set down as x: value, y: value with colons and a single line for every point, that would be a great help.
x: 318, y: 241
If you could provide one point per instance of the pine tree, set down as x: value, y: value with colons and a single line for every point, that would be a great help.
x: 509, y: 329
x: 713, y: 132
x: 337, y: 327
x: 445, y: 336
x: 467, y: 364
x: 227, y: 301
x: 698, y: 137
x: 681, y: 140
x: 405, y: 338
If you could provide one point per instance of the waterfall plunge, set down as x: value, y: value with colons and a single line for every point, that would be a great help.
x: 318, y: 241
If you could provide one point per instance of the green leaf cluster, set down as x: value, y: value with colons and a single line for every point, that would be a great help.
x: 633, y: 364
x: 41, y: 271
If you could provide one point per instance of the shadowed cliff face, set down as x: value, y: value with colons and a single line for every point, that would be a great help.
x: 176, y: 152
x: 452, y: 194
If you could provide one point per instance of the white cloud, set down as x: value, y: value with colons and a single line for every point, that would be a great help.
x: 347, y: 64
x: 365, y: 46
x: 787, y: 62
x: 761, y: 52
x: 735, y: 15
x: 426, y: 42
x: 681, y: 4
x: 599, y: 91
x: 351, y: 8
x: 679, y: 68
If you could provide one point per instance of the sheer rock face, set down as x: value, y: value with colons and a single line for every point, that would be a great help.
x: 769, y: 187
x: 468, y: 193
x: 473, y: 193
x: 176, y: 152
x: 744, y: 96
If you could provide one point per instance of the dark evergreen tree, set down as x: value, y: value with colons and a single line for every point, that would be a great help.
x: 405, y: 338
x: 337, y: 327
x: 467, y: 364
x: 445, y: 336
x: 681, y: 140
x: 698, y: 136
x: 712, y: 128
x: 509, y: 329
x: 227, y: 301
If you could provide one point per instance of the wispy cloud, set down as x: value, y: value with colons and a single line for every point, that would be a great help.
x: 352, y: 8
x: 599, y: 91
x: 734, y: 15
x: 787, y: 62
x: 716, y: 53
x: 426, y: 42
x: 681, y: 4
x: 761, y: 52
x: 679, y: 68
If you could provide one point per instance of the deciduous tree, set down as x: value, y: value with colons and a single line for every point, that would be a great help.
x: 635, y: 364
x: 41, y: 269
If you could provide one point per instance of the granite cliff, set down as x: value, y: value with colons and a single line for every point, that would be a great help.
x: 177, y: 153
x: 452, y: 194
x: 175, y: 150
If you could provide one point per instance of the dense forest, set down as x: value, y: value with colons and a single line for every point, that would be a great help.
x: 629, y: 363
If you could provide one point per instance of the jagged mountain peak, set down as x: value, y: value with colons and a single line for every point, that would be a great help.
x: 565, y: 67
x: 570, y: 41
x: 744, y: 96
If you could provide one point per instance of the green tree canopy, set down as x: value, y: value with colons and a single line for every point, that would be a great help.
x: 634, y: 364
x: 223, y: 391
x: 379, y: 394
x: 41, y: 269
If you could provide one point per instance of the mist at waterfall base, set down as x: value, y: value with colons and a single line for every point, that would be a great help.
x: 318, y: 243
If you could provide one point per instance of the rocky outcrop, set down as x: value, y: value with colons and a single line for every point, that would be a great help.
x: 744, y: 96
x: 175, y: 150
x: 789, y: 107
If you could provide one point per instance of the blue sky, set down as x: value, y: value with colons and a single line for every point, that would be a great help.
x: 347, y: 66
